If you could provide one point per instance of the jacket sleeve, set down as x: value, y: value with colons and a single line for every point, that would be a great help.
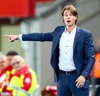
x: 38, y: 36
x: 89, y: 54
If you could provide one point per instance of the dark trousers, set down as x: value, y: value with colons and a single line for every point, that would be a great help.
x: 66, y: 85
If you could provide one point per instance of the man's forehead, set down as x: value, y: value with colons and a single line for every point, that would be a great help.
x: 67, y: 11
x: 17, y: 58
x: 3, y: 58
x: 14, y: 59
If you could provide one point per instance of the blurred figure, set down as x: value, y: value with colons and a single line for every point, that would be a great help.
x: 9, y: 68
x: 3, y: 61
x: 97, y: 46
x: 24, y: 81
x: 49, y: 91
x: 97, y: 65
x: 95, y: 73
x: 5, y: 71
x: 10, y: 55
x: 3, y: 65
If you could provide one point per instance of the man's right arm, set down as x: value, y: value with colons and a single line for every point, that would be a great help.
x: 31, y: 37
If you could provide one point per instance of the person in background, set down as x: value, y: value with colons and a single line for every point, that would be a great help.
x: 95, y: 72
x: 10, y: 55
x: 7, y: 69
x: 97, y: 66
x: 3, y: 71
x: 72, y: 55
x: 24, y: 81
x: 3, y: 60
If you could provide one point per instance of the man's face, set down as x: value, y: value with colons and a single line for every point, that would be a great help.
x: 3, y: 62
x: 16, y: 63
x: 9, y: 58
x: 69, y: 19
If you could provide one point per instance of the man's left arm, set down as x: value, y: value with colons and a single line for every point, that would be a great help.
x: 89, y: 55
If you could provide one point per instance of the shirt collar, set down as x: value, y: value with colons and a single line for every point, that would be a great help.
x: 73, y: 31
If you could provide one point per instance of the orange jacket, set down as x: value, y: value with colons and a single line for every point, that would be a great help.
x: 96, y: 69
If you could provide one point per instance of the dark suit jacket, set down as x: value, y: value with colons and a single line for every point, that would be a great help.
x: 83, y: 55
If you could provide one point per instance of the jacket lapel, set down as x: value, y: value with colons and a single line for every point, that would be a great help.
x: 57, y: 36
x: 76, y: 37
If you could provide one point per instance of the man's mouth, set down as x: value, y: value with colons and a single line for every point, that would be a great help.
x: 68, y: 21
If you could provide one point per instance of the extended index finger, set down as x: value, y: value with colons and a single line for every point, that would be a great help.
x: 6, y: 35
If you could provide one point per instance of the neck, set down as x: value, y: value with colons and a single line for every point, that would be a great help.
x: 70, y: 28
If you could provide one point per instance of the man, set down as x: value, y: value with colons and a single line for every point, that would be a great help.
x: 72, y: 55
x: 3, y: 61
x: 6, y: 72
x: 3, y: 64
x: 10, y: 55
x: 24, y: 81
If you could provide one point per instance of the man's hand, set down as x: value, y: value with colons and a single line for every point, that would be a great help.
x: 11, y: 38
x: 80, y: 81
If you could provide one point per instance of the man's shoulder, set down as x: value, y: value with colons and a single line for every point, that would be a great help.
x: 83, y: 30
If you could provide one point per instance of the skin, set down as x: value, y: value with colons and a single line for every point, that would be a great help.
x: 3, y: 62
x: 21, y: 63
x: 69, y: 21
x: 9, y: 58
x: 11, y: 38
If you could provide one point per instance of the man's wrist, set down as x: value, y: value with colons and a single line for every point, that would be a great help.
x: 17, y: 37
x: 84, y: 76
x: 20, y: 37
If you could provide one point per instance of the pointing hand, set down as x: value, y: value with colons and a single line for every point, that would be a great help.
x: 11, y: 38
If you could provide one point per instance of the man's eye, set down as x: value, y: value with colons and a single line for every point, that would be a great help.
x: 71, y: 14
x: 65, y: 15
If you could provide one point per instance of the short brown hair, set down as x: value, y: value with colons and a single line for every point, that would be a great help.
x: 72, y: 9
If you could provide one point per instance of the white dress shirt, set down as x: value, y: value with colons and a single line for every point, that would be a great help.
x: 20, y: 37
x: 66, y: 62
x: 66, y: 43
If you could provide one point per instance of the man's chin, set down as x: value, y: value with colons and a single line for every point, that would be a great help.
x: 69, y: 25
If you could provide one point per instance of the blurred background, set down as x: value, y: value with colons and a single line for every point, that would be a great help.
x: 26, y: 16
